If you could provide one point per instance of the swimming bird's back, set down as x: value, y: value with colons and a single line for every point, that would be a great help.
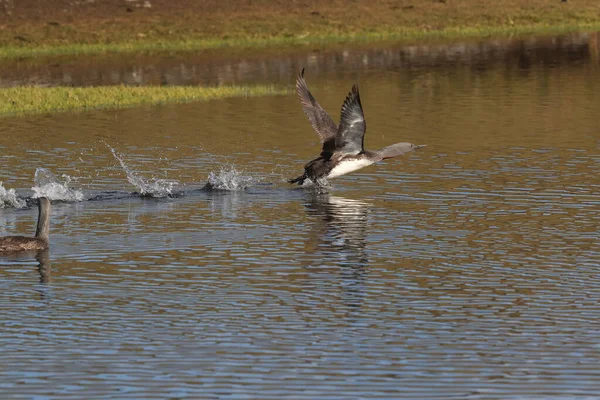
x: 21, y: 243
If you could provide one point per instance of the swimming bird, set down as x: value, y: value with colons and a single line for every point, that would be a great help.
x: 40, y: 241
x: 343, y: 145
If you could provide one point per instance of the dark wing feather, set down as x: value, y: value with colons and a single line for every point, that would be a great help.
x: 350, y: 136
x: 318, y: 117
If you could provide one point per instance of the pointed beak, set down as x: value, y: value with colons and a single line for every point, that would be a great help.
x: 419, y: 146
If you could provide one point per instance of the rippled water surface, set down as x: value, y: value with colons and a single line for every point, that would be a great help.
x: 469, y: 269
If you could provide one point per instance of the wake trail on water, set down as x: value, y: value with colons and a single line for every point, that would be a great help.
x: 146, y: 187
x: 9, y: 198
x: 46, y: 184
x: 229, y: 178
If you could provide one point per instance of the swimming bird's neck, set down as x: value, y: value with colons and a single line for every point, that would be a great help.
x: 43, y: 225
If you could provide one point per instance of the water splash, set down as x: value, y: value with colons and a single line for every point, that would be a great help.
x: 9, y: 198
x: 48, y: 185
x: 229, y: 178
x: 153, y: 187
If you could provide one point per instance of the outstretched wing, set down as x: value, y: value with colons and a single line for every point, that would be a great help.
x: 350, y: 136
x: 318, y: 117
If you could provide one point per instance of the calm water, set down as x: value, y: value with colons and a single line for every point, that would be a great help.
x: 469, y: 269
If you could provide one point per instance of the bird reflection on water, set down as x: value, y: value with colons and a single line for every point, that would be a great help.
x: 339, y: 235
x: 44, y: 266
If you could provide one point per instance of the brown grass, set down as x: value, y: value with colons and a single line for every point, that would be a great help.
x: 34, y: 23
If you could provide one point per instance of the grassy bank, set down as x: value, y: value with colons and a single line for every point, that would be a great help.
x: 317, y: 40
x: 29, y: 100
x: 52, y: 27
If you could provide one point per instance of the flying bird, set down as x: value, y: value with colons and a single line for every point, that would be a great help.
x: 343, y: 146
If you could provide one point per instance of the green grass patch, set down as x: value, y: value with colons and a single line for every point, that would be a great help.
x: 28, y: 100
x: 373, y: 35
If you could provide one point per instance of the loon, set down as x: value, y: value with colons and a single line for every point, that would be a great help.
x: 9, y: 244
x: 343, y: 146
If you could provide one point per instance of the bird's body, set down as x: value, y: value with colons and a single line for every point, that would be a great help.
x: 343, y: 146
x: 11, y: 244
x: 350, y: 164
x: 323, y: 168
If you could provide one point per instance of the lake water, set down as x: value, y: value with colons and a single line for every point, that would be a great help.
x: 468, y: 269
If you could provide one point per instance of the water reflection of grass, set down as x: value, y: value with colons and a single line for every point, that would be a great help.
x: 25, y: 100
x: 318, y: 39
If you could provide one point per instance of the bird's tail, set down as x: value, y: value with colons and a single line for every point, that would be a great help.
x: 299, y: 180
